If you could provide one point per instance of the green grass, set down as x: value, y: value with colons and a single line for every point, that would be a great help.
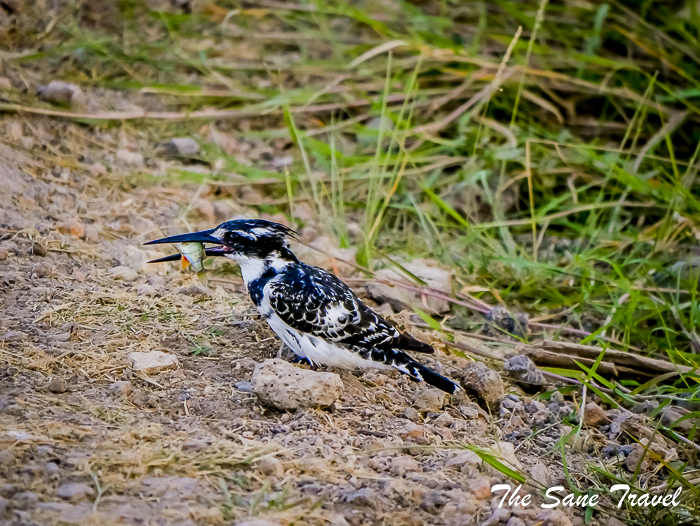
x: 547, y: 152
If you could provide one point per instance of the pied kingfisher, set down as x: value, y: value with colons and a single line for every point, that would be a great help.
x: 314, y: 313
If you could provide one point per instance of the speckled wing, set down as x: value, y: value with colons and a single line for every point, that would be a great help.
x: 313, y: 301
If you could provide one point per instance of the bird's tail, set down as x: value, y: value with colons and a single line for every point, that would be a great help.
x: 417, y: 371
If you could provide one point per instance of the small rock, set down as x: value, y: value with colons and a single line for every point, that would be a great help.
x: 429, y: 399
x: 127, y: 158
x: 3, y: 253
x: 522, y: 369
x: 120, y: 388
x: 480, y: 487
x: 79, y: 275
x: 197, y: 290
x: 500, y: 322
x: 411, y: 414
x: 155, y: 281
x: 13, y: 336
x: 363, y: 497
x: 152, y: 362
x: 485, y: 382
x: 73, y: 227
x: 535, y: 406
x: 540, y: 473
x: 125, y: 273
x: 462, y: 459
x: 634, y: 458
x: 91, y: 234
x: 60, y: 92
x: 145, y: 290
x: 594, y: 416
x: 97, y: 170
x: 244, y: 387
x: 42, y: 269
x: 444, y: 420
x: 271, y: 466
x: 280, y: 385
x: 58, y: 385
x: 499, y: 515
x: 26, y: 500
x: 75, y: 492
x: 554, y: 518
x: 39, y: 250
x: 179, y: 146
x: 403, y: 464
x: 7, y: 457
x: 140, y: 398
x: 514, y: 521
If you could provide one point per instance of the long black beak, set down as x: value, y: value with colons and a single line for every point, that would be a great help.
x: 195, y: 237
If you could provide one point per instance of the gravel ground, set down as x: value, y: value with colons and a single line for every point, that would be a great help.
x: 87, y: 439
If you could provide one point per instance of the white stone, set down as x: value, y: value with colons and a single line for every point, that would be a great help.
x: 152, y: 362
x: 124, y: 273
x: 283, y: 386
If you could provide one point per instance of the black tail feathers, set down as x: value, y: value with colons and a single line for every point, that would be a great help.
x: 417, y: 371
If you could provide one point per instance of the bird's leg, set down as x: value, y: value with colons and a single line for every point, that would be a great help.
x: 285, y: 353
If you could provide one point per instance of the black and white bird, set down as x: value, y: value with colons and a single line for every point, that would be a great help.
x: 314, y: 313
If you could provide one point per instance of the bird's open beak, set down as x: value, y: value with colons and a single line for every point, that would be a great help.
x: 195, y: 237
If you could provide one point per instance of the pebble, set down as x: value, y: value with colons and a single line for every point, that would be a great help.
x: 139, y: 398
x: 480, y: 487
x: 283, y: 386
x: 429, y: 399
x: 120, y: 388
x: 403, y: 464
x: 7, y: 457
x: 57, y: 385
x: 91, y: 234
x: 594, y: 416
x: 60, y: 92
x: 127, y: 158
x: 485, y: 382
x: 244, y: 387
x: 124, y: 273
x: 363, y: 497
x: 75, y: 492
x: 462, y: 459
x: 155, y: 281
x: 444, y: 420
x: 39, y: 250
x: 271, y: 466
x: 152, y: 362
x: 3, y: 253
x: 42, y: 269
x: 145, y: 290
x: 411, y: 414
x: 179, y: 146
x: 13, y: 336
x: 25, y: 501
x: 522, y: 369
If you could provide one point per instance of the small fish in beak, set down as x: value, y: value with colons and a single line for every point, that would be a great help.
x: 192, y: 254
